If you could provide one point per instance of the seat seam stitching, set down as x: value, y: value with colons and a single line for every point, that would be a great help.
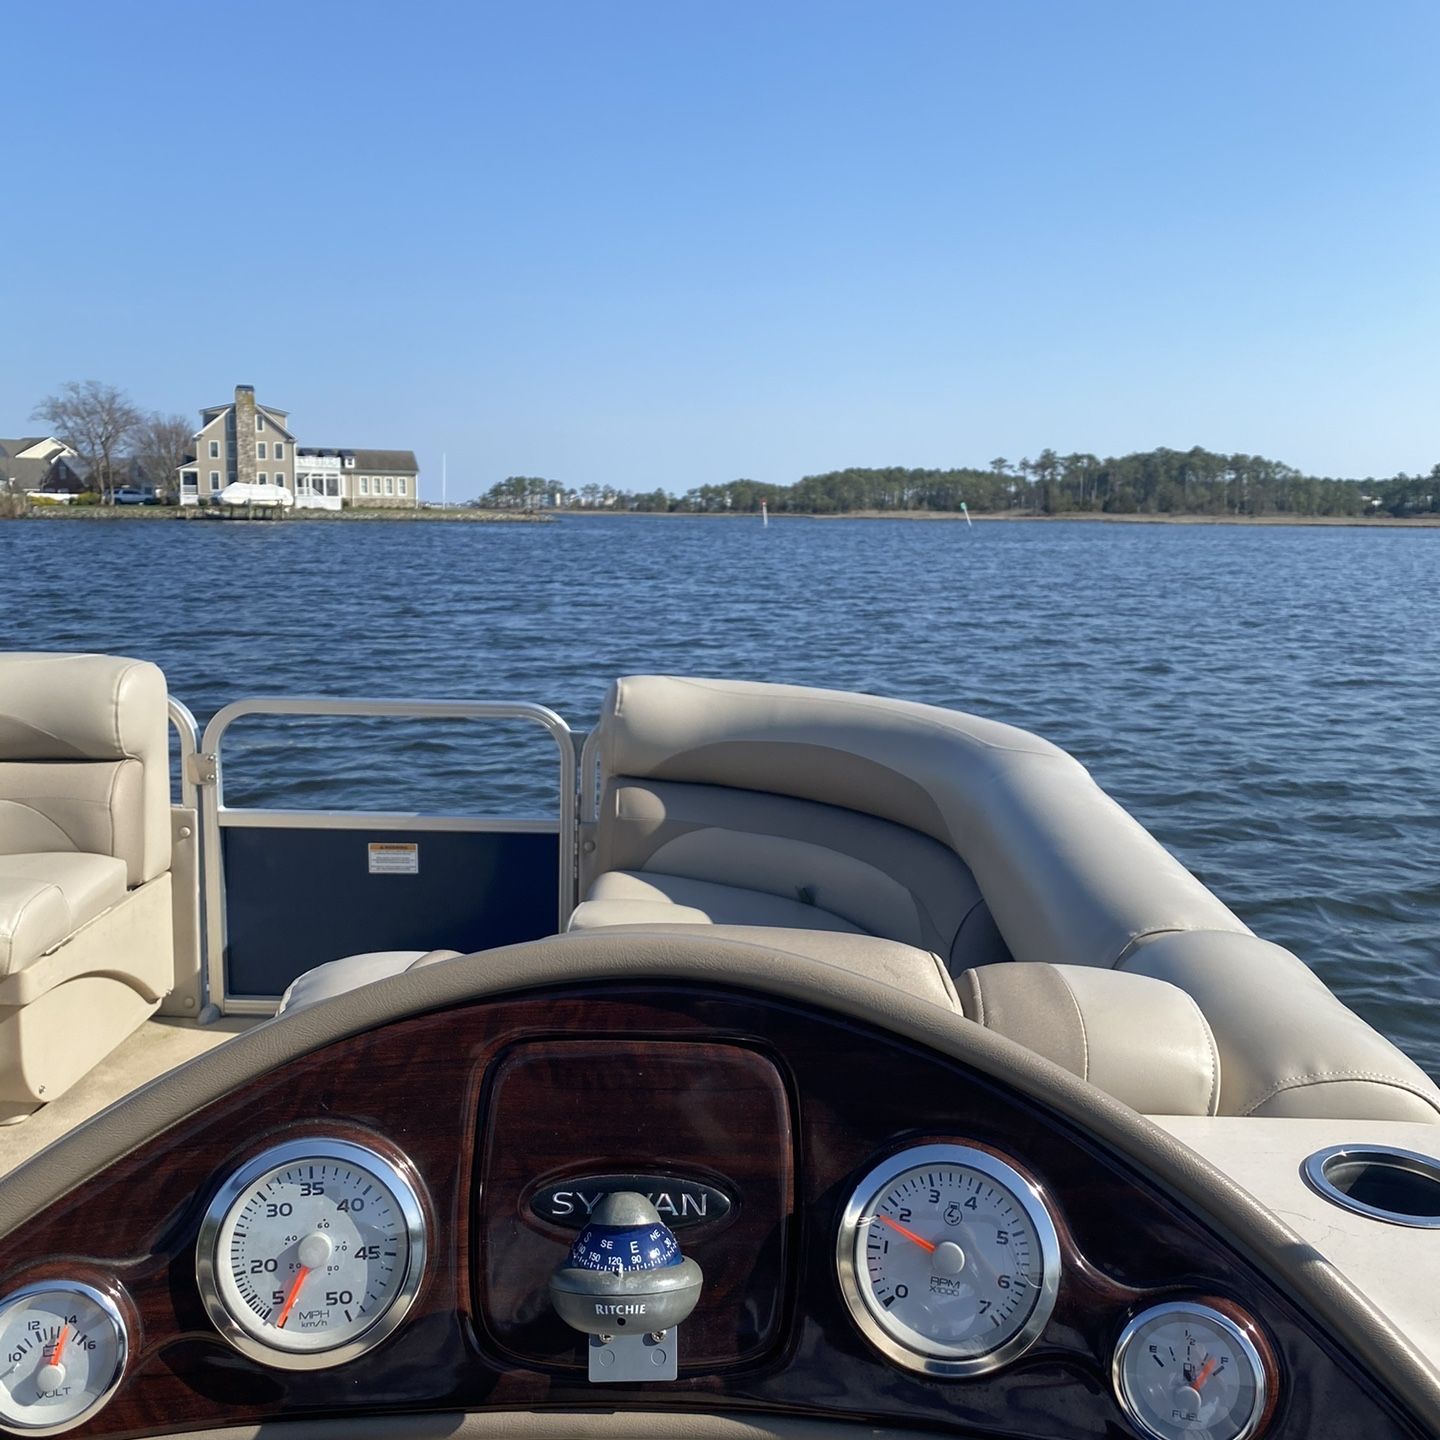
x: 1213, y: 1103
x: 1377, y: 1077
x: 1080, y: 1017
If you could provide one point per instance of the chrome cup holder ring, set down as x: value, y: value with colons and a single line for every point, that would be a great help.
x: 1381, y: 1182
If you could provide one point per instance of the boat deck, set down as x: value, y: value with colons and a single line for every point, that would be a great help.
x: 160, y: 1044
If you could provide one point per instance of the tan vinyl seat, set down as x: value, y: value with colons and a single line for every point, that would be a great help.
x: 1144, y: 1041
x: 86, y: 928
x: 45, y: 898
x: 628, y: 897
x: 349, y: 972
x: 1140, y: 1040
x: 729, y: 800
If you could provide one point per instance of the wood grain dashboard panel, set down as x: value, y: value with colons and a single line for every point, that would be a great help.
x: 567, y: 1108
x: 845, y: 1093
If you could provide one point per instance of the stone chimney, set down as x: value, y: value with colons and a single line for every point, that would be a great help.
x: 245, y: 434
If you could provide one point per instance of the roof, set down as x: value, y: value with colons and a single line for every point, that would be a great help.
x: 230, y: 405
x: 396, y: 461
x: 280, y: 419
x: 35, y: 473
x: 16, y: 447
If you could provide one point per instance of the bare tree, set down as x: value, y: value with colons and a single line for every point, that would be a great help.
x: 95, y: 420
x: 161, y: 443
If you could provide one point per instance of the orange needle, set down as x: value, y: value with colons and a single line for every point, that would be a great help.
x: 59, y: 1349
x: 290, y: 1298
x: 908, y: 1234
x: 1204, y: 1374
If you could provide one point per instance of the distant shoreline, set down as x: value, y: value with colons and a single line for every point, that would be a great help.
x: 269, y: 516
x: 463, y: 515
x: 1360, y: 522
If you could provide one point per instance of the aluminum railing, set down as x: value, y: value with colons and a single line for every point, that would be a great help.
x: 206, y: 770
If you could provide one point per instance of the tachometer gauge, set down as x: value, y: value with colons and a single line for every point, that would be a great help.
x: 311, y: 1253
x: 62, y: 1353
x: 948, y: 1260
x: 1187, y: 1372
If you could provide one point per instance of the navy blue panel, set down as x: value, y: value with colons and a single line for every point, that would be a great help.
x: 296, y: 898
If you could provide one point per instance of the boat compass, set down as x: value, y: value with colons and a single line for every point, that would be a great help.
x: 626, y: 1286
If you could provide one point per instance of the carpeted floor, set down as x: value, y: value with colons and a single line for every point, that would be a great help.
x: 157, y: 1046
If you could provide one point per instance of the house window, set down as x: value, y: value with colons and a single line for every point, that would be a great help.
x: 214, y: 449
x: 260, y: 450
x: 364, y: 484
x: 404, y: 485
x: 279, y: 449
x: 389, y: 484
x: 214, y: 479
x: 188, y: 479
x: 259, y: 423
x: 279, y: 478
x: 349, y: 462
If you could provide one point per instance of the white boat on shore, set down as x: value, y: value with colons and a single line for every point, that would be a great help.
x: 264, y: 497
x: 976, y: 1113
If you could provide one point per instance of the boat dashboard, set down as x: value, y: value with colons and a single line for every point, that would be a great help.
x: 888, y: 1236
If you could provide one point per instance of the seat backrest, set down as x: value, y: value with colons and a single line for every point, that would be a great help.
x: 84, y: 759
x: 886, y: 879
x: 1068, y: 876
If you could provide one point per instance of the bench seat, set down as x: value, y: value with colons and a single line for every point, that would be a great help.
x: 627, y: 897
x: 46, y: 897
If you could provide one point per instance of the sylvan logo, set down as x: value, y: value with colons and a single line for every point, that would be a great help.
x: 678, y: 1202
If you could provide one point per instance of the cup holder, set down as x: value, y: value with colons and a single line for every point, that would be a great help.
x: 1400, y: 1187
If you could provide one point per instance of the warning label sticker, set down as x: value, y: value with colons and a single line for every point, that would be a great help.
x: 392, y: 859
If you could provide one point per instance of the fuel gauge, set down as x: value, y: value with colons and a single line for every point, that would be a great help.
x: 62, y: 1353
x: 1188, y: 1372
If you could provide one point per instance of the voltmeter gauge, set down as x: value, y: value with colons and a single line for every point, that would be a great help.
x: 312, y: 1253
x: 948, y: 1260
x: 62, y: 1353
x: 1188, y: 1372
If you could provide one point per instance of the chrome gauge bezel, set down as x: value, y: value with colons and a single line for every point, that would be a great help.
x: 850, y: 1260
x: 396, y: 1174
x: 1235, y: 1332
x: 112, y: 1313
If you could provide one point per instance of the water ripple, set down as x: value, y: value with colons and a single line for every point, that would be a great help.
x: 1265, y: 700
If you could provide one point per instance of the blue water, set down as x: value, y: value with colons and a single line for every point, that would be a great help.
x: 1265, y: 700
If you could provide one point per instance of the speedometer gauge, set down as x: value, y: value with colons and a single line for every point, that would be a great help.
x: 948, y: 1260
x: 311, y: 1253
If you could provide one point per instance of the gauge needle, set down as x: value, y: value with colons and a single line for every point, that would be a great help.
x: 1204, y: 1374
x: 290, y: 1298
x: 908, y: 1234
x: 59, y: 1349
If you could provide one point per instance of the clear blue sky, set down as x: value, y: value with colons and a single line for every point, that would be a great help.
x: 670, y: 244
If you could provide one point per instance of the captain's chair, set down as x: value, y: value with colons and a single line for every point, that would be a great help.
x: 86, y: 935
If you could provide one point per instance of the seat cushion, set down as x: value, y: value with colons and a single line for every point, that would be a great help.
x: 883, y: 878
x: 1289, y: 1047
x: 62, y: 710
x: 902, y: 967
x: 1141, y: 1040
x: 623, y: 897
x: 96, y: 807
x: 337, y: 977
x: 45, y: 897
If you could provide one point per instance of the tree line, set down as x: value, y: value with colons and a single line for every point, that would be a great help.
x: 115, y: 441
x: 1151, y: 482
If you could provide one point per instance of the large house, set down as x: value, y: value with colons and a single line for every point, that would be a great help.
x: 252, y: 444
x: 40, y: 464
